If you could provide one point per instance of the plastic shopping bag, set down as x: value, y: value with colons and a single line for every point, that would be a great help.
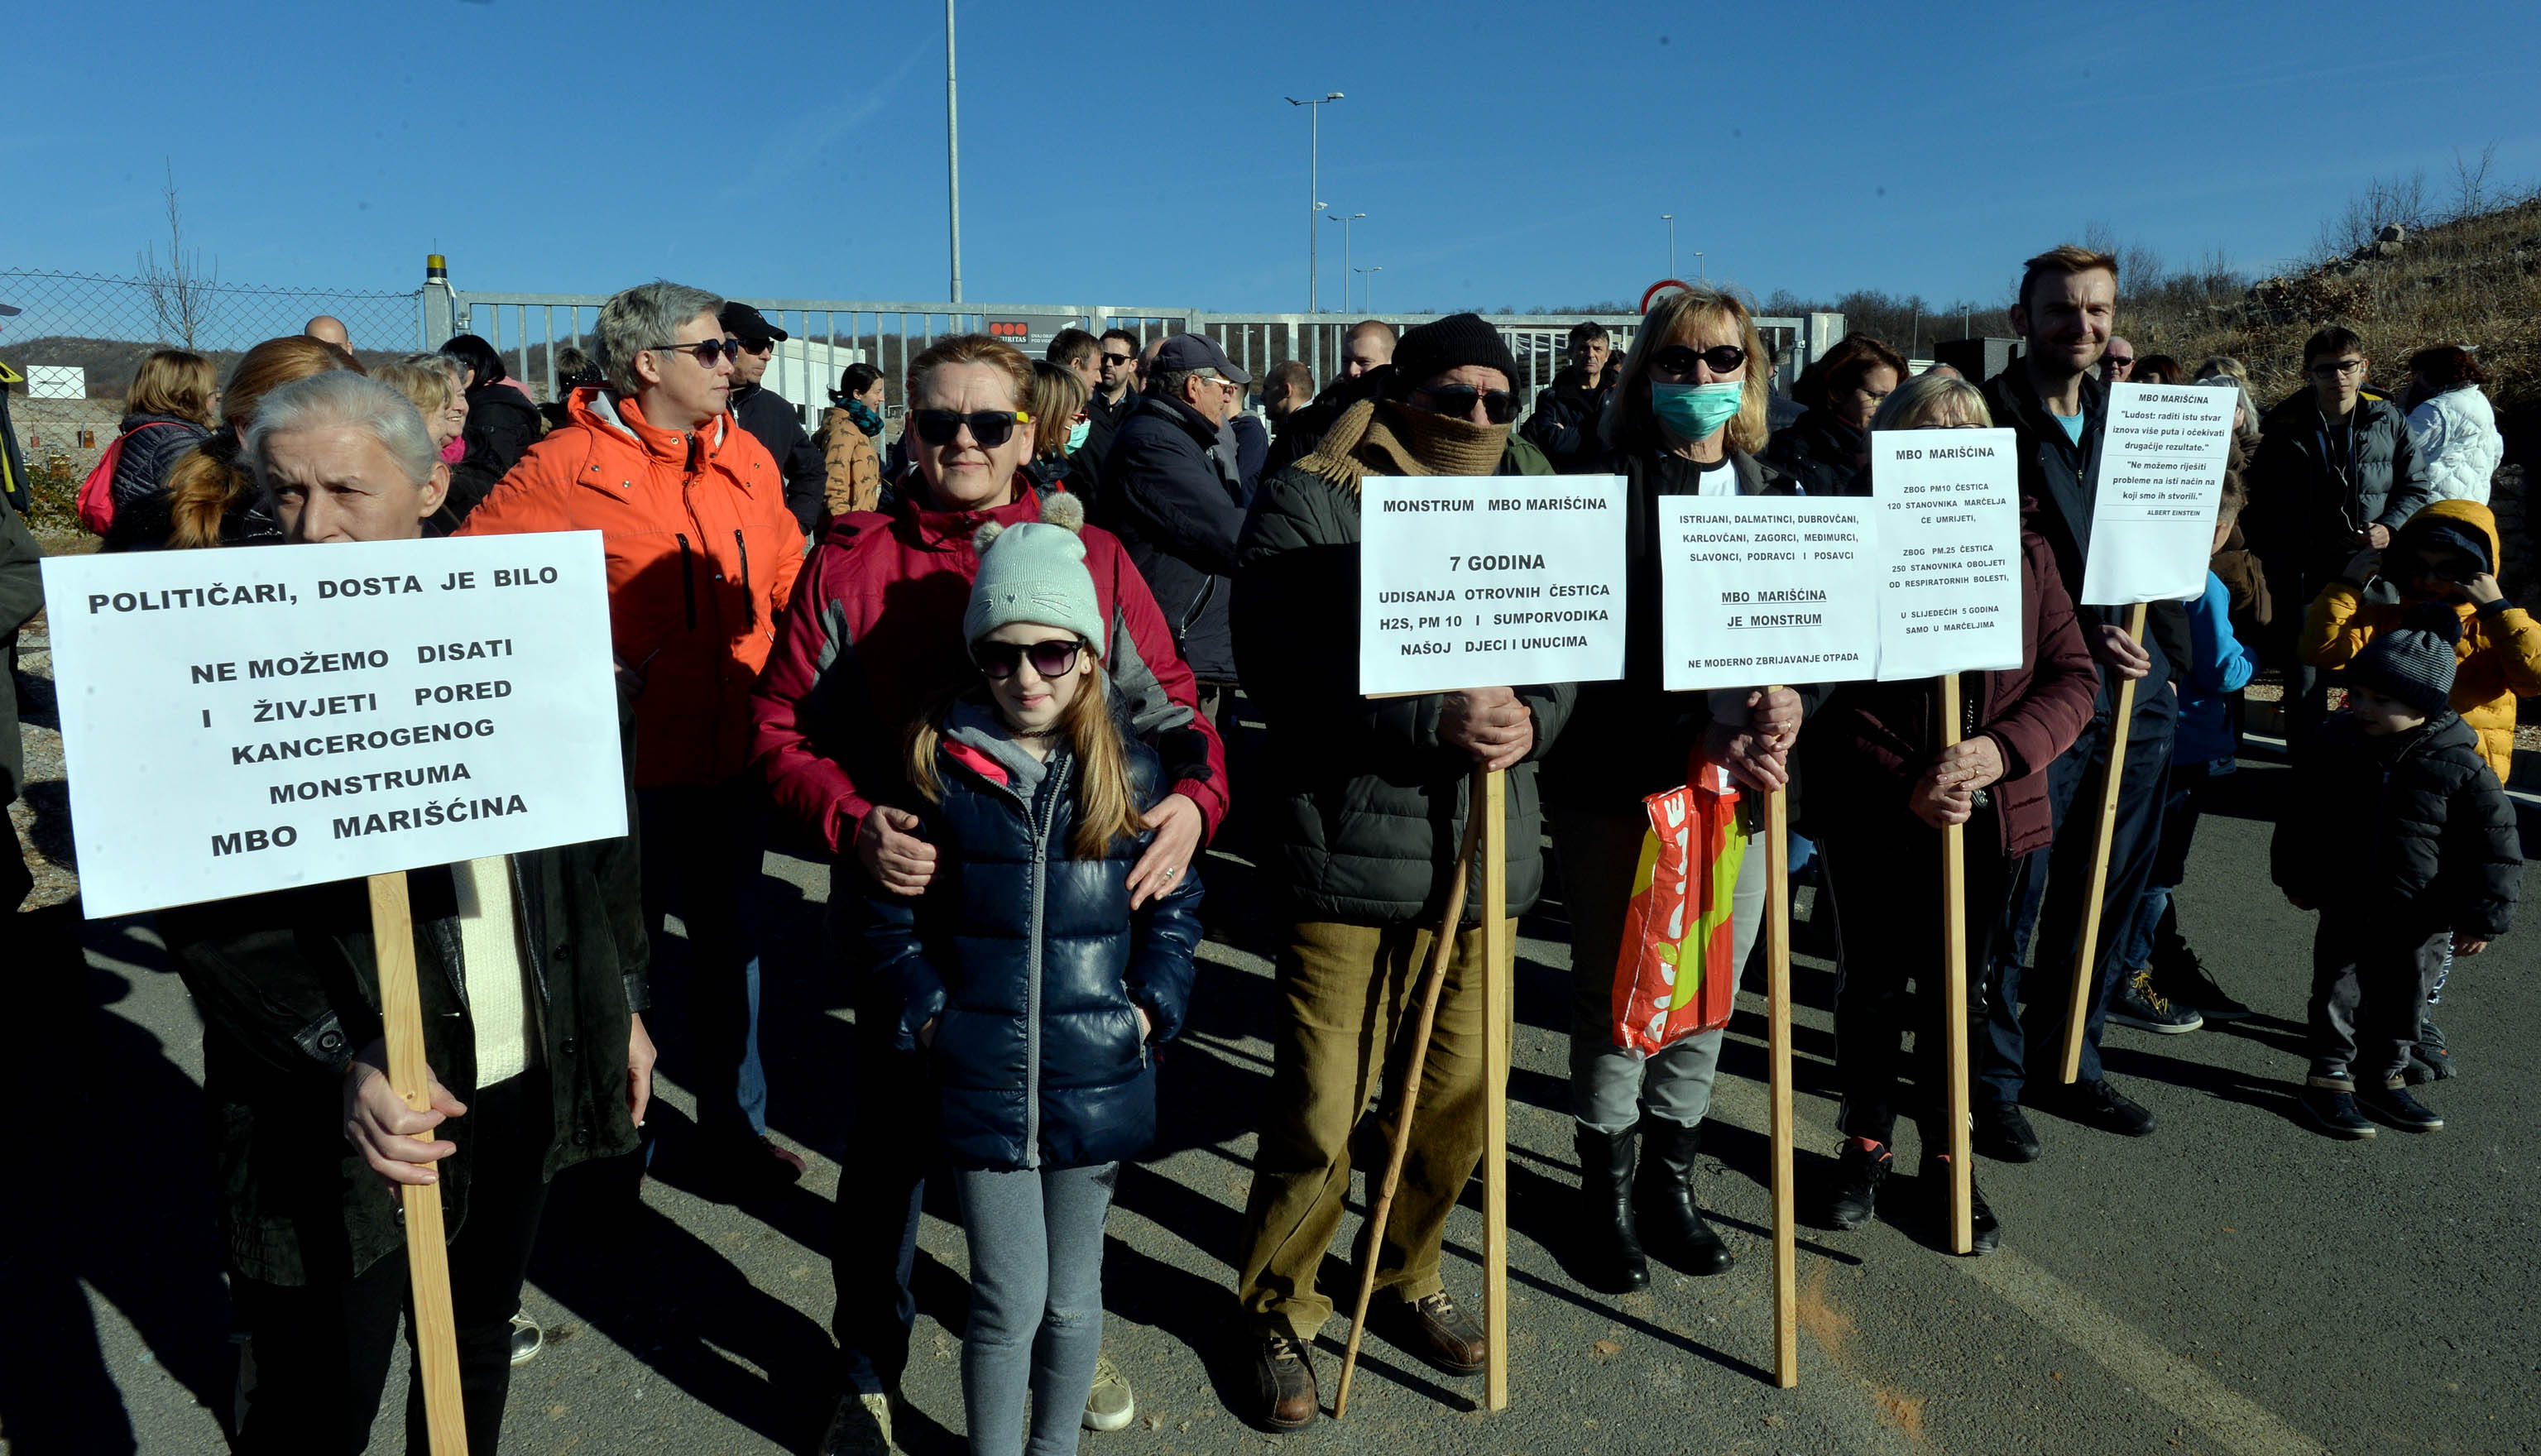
x: 1673, y: 977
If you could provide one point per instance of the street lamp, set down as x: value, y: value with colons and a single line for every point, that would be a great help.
x: 953, y: 149
x: 1670, y: 219
x: 1345, y: 268
x: 1700, y: 275
x: 1364, y: 306
x: 1314, y: 184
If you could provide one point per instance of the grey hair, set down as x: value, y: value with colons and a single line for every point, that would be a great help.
x: 1929, y: 399
x: 341, y: 398
x: 1168, y: 383
x: 644, y: 317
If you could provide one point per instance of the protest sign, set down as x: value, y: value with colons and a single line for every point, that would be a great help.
x: 1484, y: 581
x: 2152, y: 507
x: 1759, y: 589
x: 1949, y: 540
x: 237, y: 721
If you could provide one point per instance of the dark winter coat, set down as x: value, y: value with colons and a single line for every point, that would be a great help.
x: 1304, y: 427
x: 142, y: 468
x: 1564, y: 422
x: 1817, y: 453
x: 1176, y: 512
x: 145, y: 522
x: 502, y: 425
x: 1870, y: 742
x: 2410, y: 833
x: 1252, y: 448
x: 1364, y: 804
x: 780, y: 426
x: 1030, y: 961
x: 22, y: 596
x: 2307, y: 515
x: 1102, y: 421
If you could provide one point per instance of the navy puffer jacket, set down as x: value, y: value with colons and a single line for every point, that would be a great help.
x: 148, y: 455
x: 1031, y: 962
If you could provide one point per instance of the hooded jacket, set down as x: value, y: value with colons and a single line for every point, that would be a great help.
x: 703, y: 555
x: 2501, y: 646
x: 875, y: 640
x: 1030, y: 961
x: 1166, y: 497
x: 2455, y: 434
x: 2305, y: 512
x: 2401, y: 836
x: 777, y: 423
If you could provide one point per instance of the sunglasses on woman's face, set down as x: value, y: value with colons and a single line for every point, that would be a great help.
x: 1499, y: 407
x: 998, y: 661
x: 990, y: 427
x: 705, y: 353
x: 1679, y: 360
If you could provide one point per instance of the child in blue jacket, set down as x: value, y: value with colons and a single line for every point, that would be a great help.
x: 1035, y: 985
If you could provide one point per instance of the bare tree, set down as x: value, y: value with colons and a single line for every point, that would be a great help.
x: 2470, y: 183
x: 181, y: 291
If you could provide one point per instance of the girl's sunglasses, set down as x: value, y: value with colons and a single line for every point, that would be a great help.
x: 1499, y: 407
x: 998, y: 661
x: 1680, y: 360
x: 705, y: 353
x: 990, y: 427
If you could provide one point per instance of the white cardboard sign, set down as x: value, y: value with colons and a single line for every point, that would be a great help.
x: 1488, y: 581
x: 2153, y: 509
x: 243, y: 720
x: 1764, y: 589
x: 1949, y: 536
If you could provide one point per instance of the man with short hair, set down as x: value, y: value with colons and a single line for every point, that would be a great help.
x: 1368, y: 346
x: 2117, y: 362
x: 2057, y: 409
x: 2337, y: 471
x: 1368, y: 361
x: 1564, y: 422
x: 1115, y: 384
x: 773, y: 418
x: 329, y: 329
x: 1288, y: 388
x: 1076, y: 350
x: 1172, y: 492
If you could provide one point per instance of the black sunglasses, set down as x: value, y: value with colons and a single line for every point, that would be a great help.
x: 1118, y: 358
x: 998, y: 661
x: 1677, y: 359
x: 990, y: 427
x: 1499, y: 405
x: 705, y: 353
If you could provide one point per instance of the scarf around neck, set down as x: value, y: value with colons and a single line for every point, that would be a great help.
x: 1389, y: 438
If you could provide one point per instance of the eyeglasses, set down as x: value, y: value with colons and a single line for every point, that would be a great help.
x: 1677, y: 359
x: 1499, y: 407
x: 998, y: 661
x: 705, y: 353
x: 1116, y: 360
x: 990, y: 427
x: 2337, y: 369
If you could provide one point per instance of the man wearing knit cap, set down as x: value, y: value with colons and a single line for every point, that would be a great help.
x: 1363, y: 809
x: 2399, y: 834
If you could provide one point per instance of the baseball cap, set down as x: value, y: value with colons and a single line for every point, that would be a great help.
x: 1197, y: 351
x: 744, y: 322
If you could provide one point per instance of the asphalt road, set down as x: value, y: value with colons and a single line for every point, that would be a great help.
x: 2232, y: 1285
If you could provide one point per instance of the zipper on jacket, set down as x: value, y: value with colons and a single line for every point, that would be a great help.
x: 688, y: 581
x: 1041, y: 829
x: 744, y: 546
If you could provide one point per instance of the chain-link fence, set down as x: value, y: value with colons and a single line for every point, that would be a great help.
x: 105, y: 326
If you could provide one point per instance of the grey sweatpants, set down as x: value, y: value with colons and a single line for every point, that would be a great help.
x: 1036, y: 1303
x: 1610, y: 1087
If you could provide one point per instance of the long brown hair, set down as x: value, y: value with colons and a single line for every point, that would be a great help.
x: 177, y: 382
x: 1106, y: 806
x: 210, y: 478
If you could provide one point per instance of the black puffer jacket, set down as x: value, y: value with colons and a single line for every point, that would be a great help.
x: 1564, y: 422
x: 1368, y: 803
x: 780, y: 426
x: 1817, y: 453
x: 142, y: 468
x: 1030, y: 961
x: 502, y: 425
x: 2409, y: 834
x: 2305, y: 511
x: 1165, y: 495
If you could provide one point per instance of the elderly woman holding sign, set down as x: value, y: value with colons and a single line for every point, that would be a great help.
x: 1688, y: 418
x: 532, y: 974
x: 1882, y: 785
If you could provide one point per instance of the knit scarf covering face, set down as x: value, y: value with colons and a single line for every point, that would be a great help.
x: 1389, y: 438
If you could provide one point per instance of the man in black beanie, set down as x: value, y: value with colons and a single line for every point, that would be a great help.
x: 2398, y: 832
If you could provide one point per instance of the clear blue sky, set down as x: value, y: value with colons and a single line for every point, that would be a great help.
x: 1506, y: 155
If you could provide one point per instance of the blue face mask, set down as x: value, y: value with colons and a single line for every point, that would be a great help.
x: 1695, y: 411
x: 1076, y: 434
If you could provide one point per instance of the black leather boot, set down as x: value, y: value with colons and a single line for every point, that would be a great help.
x: 1615, y: 1263
x: 1666, y: 1191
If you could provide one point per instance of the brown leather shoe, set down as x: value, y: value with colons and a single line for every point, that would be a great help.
x: 1284, y: 1379
x: 1435, y: 1330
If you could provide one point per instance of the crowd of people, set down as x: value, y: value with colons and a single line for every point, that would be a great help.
x: 991, y: 667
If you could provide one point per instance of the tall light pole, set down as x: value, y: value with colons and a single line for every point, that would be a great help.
x: 1364, y: 306
x: 1670, y: 219
x: 1314, y: 183
x: 953, y: 147
x: 1345, y: 268
x: 1700, y: 275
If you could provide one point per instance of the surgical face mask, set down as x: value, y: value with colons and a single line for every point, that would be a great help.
x: 1695, y: 411
x: 1076, y: 434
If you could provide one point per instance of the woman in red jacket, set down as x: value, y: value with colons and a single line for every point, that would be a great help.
x: 1881, y: 790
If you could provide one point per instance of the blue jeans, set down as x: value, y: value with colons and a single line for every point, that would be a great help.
x: 702, y: 845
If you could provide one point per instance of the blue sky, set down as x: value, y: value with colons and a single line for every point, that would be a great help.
x: 1506, y: 155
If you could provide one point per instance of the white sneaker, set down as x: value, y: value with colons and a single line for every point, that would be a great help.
x: 860, y: 1426
x: 527, y: 1339
x: 1109, y: 1405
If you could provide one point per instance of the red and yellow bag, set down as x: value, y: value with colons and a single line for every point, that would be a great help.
x: 1673, y: 977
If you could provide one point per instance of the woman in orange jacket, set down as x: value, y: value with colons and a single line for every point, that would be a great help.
x: 703, y: 555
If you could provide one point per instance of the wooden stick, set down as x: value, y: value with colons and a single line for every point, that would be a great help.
x: 1777, y: 1021
x: 1441, y: 950
x: 2086, y: 977
x: 427, y: 1250
x: 1954, y: 999
x: 1496, y: 1028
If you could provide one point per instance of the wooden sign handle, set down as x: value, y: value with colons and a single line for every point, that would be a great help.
x: 1955, y: 999
x: 427, y: 1250
x: 2086, y: 964
x: 1497, y: 1026
x: 1778, y: 1022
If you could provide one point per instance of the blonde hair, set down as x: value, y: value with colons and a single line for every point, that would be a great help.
x: 426, y: 380
x: 1107, y: 807
x: 1631, y: 426
x: 177, y: 382
x: 209, y: 479
x: 971, y: 348
x: 1932, y: 401
x: 1058, y: 394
